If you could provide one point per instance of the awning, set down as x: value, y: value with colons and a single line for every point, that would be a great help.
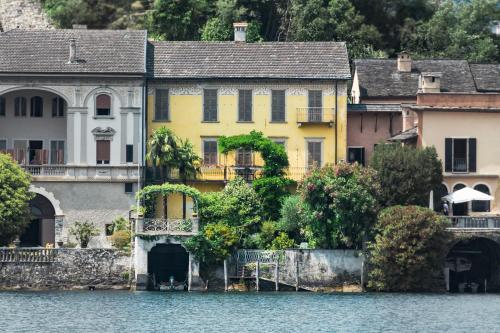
x: 465, y: 195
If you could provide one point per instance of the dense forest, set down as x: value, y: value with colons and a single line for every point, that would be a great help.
x: 371, y: 28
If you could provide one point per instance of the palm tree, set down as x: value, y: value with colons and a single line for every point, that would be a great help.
x: 188, y: 163
x: 162, y: 153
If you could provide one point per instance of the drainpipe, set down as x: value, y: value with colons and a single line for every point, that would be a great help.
x: 336, y: 127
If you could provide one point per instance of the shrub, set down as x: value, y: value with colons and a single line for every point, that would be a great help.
x: 120, y: 223
x: 83, y: 232
x: 14, y: 200
x: 409, y: 250
x: 406, y: 174
x: 272, y: 191
x: 282, y: 242
x: 121, y: 239
x: 341, y: 205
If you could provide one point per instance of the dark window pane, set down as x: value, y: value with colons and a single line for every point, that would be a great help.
x: 244, y: 157
x: 314, y: 154
x: 103, y: 151
x: 36, y: 107
x: 315, y: 105
x: 103, y: 105
x: 58, y: 106
x: 129, y: 153
x: 278, y: 105
x: 161, y: 104
x: 210, y: 105
x: 460, y: 155
x: 20, y: 107
x: 129, y: 187
x: 245, y: 105
x: 2, y: 106
x: 356, y: 154
x: 57, y: 152
x: 481, y: 206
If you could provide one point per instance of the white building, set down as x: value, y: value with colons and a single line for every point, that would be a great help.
x: 71, y: 105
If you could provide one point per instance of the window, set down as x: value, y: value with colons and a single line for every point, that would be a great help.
x: 481, y: 206
x: 210, y: 105
x: 315, y: 105
x: 244, y: 157
x: 460, y: 155
x: 129, y: 187
x: 58, y: 107
x: 356, y: 154
x: 20, y: 107
x: 3, y: 145
x: 129, y: 153
x: 314, y: 153
x: 2, y: 106
x: 108, y: 227
x: 210, y: 152
x: 36, y: 107
x: 280, y: 141
x: 103, y: 151
x: 278, y: 105
x: 161, y: 105
x: 57, y: 152
x: 244, y: 105
x: 103, y: 105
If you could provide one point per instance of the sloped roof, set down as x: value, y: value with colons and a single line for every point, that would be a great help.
x: 487, y: 76
x: 98, y: 51
x: 373, y: 107
x: 381, y: 78
x: 273, y: 60
x: 410, y: 134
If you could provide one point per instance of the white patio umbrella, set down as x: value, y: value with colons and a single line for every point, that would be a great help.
x: 465, y: 195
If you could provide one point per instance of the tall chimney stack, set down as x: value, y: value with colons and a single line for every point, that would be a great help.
x: 404, y: 62
x: 430, y: 82
x: 72, y: 51
x: 240, y: 31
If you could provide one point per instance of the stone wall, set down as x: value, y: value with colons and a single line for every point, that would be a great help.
x: 72, y: 269
x: 22, y: 14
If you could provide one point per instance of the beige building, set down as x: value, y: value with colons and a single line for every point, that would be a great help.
x: 463, y: 127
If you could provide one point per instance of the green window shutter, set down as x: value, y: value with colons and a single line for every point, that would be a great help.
x: 448, y: 155
x: 472, y: 154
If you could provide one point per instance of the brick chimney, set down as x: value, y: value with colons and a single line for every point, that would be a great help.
x: 430, y: 82
x: 404, y: 62
x: 240, y: 31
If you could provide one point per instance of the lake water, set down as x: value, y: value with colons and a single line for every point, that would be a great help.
x: 117, y: 311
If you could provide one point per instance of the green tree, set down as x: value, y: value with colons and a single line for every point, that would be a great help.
x: 177, y: 19
x: 459, y: 30
x: 332, y: 20
x: 216, y: 30
x: 14, y: 200
x: 409, y: 250
x: 406, y: 174
x: 188, y: 163
x: 342, y: 201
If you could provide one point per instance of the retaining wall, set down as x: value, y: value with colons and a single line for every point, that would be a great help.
x: 71, y: 269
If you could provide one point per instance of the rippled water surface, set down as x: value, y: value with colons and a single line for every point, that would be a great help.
x: 118, y: 311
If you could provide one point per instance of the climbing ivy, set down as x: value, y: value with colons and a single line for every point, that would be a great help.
x: 149, y: 193
x: 274, y: 155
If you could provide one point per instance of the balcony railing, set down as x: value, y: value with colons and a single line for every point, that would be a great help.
x: 75, y: 172
x: 167, y: 226
x: 227, y: 173
x: 475, y: 222
x: 459, y: 165
x: 315, y: 115
x: 37, y: 255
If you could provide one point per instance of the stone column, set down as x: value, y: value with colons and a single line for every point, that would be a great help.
x: 141, y: 264
x: 195, y: 282
x: 76, y: 128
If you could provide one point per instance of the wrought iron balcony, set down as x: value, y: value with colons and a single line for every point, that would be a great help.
x: 475, y: 222
x: 460, y: 165
x: 315, y: 115
x: 167, y: 226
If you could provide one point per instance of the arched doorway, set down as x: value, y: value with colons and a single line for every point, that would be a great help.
x: 460, y: 209
x: 440, y: 191
x: 166, y: 261
x: 41, y: 230
x: 474, y: 265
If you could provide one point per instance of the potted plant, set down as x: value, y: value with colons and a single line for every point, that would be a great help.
x: 83, y: 232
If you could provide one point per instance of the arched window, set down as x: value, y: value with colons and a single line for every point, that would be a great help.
x: 36, y: 106
x: 58, y: 107
x: 2, y: 106
x: 20, y: 106
x: 481, y: 206
x: 439, y: 192
x: 103, y: 105
x: 460, y: 209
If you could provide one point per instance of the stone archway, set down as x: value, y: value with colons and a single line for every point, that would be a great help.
x: 167, y: 262
x: 474, y: 265
x: 41, y: 229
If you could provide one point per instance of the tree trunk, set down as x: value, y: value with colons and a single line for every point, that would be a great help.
x: 184, y: 200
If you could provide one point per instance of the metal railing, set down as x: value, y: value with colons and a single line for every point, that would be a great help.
x: 475, y: 222
x: 166, y: 226
x: 28, y: 255
x: 315, y: 115
x: 227, y: 173
x: 459, y: 165
x: 263, y: 256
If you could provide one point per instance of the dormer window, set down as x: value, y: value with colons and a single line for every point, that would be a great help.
x: 103, y: 105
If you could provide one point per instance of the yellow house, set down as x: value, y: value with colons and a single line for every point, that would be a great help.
x: 294, y: 93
